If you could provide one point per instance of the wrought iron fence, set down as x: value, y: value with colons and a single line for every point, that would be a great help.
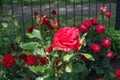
x: 66, y: 8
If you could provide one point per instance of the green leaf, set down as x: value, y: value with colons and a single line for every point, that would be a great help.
x: 34, y: 34
x: 39, y: 52
x: 18, y: 39
x: 68, y: 68
x: 29, y: 45
x: 68, y: 56
x: 37, y: 69
x: 112, y: 75
x: 4, y: 25
x: 89, y: 57
x: 79, y: 68
x: 39, y: 78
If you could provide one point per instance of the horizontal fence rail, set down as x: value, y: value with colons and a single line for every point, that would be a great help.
x: 75, y: 10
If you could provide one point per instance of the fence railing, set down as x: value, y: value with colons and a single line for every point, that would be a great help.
x: 82, y: 8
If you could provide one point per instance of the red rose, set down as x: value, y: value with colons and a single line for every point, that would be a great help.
x: 57, y: 64
x: 98, y: 79
x: 42, y: 20
x: 8, y: 60
x: 110, y: 54
x: 30, y: 30
x: 100, y: 29
x: 23, y: 57
x: 35, y: 14
x: 83, y: 57
x: 43, y: 60
x: 103, y: 9
x: 106, y: 42
x: 118, y: 73
x: 95, y: 48
x: 82, y: 28
x: 49, y: 49
x: 54, y: 24
x: 87, y: 23
x: 94, y: 21
x: 66, y: 39
x: 53, y: 12
x: 108, y: 14
x: 31, y: 60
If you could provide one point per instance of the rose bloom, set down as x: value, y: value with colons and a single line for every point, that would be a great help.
x: 53, y: 12
x: 103, y: 9
x: 66, y: 39
x: 82, y: 28
x: 110, y: 54
x: 87, y: 23
x: 49, y: 49
x: 106, y: 43
x: 43, y: 60
x: 30, y: 29
x: 94, y: 21
x: 95, y: 48
x: 108, y: 14
x: 118, y: 73
x: 44, y: 19
x: 100, y: 29
x: 8, y: 60
x: 31, y: 60
x: 54, y: 24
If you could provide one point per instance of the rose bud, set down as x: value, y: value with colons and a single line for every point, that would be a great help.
x: 82, y: 28
x: 54, y: 24
x: 94, y: 21
x: 106, y: 43
x: 40, y: 20
x: 87, y: 23
x: 83, y: 57
x: 31, y: 60
x: 100, y: 29
x: 23, y: 57
x: 49, y: 49
x: 108, y: 14
x: 35, y: 14
x: 45, y: 19
x: 30, y: 29
x: 110, y: 54
x: 53, y: 12
x: 95, y: 48
x: 117, y: 72
x: 43, y: 60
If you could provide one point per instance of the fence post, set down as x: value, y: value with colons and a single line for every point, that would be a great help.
x: 117, y: 26
x: 1, y: 5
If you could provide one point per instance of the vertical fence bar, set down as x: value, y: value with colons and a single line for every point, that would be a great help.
x: 31, y: 12
x: 117, y: 27
x: 12, y: 7
x: 58, y: 10
x: 89, y: 10
x: 49, y: 8
x: 96, y: 9
x: 103, y: 13
x: 81, y: 10
x: 1, y: 7
x: 109, y: 10
x: 40, y: 7
x: 23, y: 27
x: 66, y: 11
x: 74, y: 13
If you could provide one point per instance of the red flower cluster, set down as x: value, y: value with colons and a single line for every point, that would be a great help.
x: 8, y: 60
x: 110, y: 54
x: 30, y: 29
x: 66, y: 39
x: 95, y: 48
x: 53, y: 12
x: 118, y: 74
x: 100, y: 29
x: 106, y: 43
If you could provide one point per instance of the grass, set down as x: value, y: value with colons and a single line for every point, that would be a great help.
x: 52, y: 1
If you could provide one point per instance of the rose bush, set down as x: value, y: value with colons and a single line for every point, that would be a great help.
x: 53, y: 52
